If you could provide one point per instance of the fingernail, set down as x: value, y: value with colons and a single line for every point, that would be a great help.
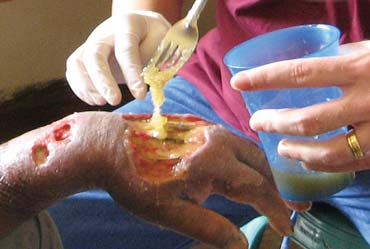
x: 254, y: 122
x: 304, y: 166
x: 98, y: 99
x: 240, y: 81
x: 283, y: 149
x: 114, y: 98
x: 138, y: 89
x: 140, y: 92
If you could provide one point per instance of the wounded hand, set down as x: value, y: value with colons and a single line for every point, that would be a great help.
x: 224, y: 164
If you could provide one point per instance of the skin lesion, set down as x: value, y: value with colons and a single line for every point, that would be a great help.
x: 40, y: 153
x: 60, y: 131
x: 161, y: 160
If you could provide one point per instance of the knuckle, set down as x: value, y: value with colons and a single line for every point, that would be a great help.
x: 356, y: 70
x: 269, y: 125
x: 259, y: 79
x: 304, y: 125
x: 91, y: 55
x: 128, y: 42
x: 87, y: 57
x: 299, y: 72
x: 358, y: 66
x: 264, y: 188
x: 71, y: 61
x: 327, y: 155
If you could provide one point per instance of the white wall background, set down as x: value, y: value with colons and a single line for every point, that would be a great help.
x: 37, y: 36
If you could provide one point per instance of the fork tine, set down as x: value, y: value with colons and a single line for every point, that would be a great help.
x: 162, y: 48
x: 163, y: 52
x: 165, y: 55
x: 179, y: 57
x: 178, y: 43
x: 173, y: 59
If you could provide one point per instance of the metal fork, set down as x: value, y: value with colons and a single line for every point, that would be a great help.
x: 179, y: 43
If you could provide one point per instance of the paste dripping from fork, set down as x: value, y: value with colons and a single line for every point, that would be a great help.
x: 156, y: 79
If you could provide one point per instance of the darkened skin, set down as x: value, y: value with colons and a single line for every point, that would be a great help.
x: 88, y: 150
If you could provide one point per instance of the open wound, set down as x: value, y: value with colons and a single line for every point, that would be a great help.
x: 160, y: 160
x: 62, y: 132
x: 40, y: 151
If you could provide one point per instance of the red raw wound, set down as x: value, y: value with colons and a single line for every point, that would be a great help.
x: 156, y: 160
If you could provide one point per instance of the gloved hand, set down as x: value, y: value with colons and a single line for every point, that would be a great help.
x: 113, y: 54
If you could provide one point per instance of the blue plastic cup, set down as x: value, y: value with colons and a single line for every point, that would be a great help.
x: 292, y: 180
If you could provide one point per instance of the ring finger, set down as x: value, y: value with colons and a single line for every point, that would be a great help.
x: 332, y: 155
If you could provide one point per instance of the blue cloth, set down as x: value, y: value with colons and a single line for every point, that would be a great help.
x: 92, y: 220
x: 354, y: 202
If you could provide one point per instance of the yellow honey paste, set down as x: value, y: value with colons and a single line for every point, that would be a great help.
x: 159, y: 144
x: 161, y: 160
x: 156, y: 79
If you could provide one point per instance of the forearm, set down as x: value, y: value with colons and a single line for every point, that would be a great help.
x: 170, y: 9
x: 50, y: 163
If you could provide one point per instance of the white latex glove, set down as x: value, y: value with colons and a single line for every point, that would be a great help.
x: 113, y: 54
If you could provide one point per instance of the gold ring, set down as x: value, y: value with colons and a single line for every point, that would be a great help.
x: 354, y: 144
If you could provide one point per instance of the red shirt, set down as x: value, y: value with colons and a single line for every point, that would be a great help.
x: 239, y: 20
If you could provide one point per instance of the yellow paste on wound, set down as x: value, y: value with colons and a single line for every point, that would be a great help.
x: 161, y: 160
x: 156, y: 80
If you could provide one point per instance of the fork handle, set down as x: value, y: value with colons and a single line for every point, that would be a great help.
x: 194, y: 13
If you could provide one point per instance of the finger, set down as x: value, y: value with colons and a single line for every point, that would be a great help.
x: 332, y: 155
x: 315, y: 119
x: 95, y: 60
x: 354, y: 47
x: 251, y: 156
x: 79, y: 79
x: 307, y: 121
x: 238, y: 175
x: 200, y: 223
x: 275, y: 208
x: 235, y: 174
x: 244, y: 186
x: 128, y: 56
x: 313, y: 72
